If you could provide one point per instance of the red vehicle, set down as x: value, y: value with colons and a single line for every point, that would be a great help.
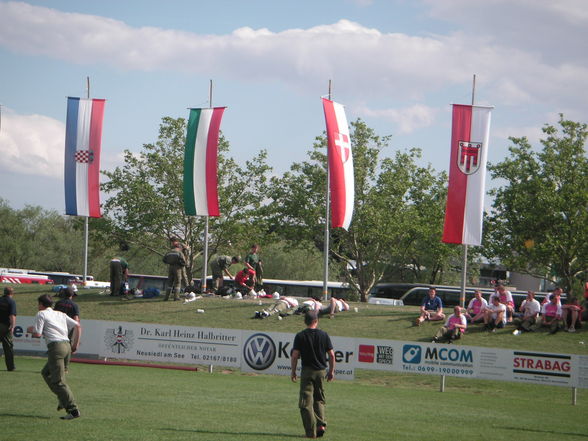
x: 11, y: 276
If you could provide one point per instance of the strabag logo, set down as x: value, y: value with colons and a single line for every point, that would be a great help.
x: 411, y: 354
x: 553, y: 365
x: 118, y: 340
x: 259, y: 351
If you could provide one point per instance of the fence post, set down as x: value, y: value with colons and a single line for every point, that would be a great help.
x: 442, y: 384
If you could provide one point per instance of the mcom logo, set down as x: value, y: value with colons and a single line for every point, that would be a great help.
x: 411, y: 354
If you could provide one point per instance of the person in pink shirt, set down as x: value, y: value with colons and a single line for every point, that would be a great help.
x: 556, y: 292
x: 475, y: 310
x: 551, y: 314
x: 455, y: 325
x: 506, y: 299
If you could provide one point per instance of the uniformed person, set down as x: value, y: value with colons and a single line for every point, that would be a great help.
x: 119, y: 272
x: 175, y: 260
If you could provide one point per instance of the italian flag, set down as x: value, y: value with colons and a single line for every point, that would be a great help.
x: 83, y: 139
x: 200, y: 162
x: 340, y: 164
x: 467, y: 175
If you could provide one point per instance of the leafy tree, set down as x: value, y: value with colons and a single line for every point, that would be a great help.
x: 395, y: 218
x: 146, y: 205
x: 38, y: 239
x: 539, y: 221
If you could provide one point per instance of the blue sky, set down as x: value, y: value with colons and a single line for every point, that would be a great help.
x: 396, y: 64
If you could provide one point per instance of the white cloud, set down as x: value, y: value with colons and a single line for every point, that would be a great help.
x: 556, y: 29
x: 532, y: 133
x: 364, y: 63
x: 407, y: 119
x: 31, y: 144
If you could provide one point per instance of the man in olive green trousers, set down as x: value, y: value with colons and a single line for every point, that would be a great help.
x: 54, y: 326
x: 313, y: 345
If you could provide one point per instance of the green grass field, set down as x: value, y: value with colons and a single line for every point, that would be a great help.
x: 129, y: 403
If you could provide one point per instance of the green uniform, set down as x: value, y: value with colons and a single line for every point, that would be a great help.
x: 253, y: 260
x: 219, y: 265
x: 174, y: 278
x: 118, y: 267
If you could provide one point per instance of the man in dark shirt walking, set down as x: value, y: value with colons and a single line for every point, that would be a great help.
x: 313, y: 345
x: 7, y: 323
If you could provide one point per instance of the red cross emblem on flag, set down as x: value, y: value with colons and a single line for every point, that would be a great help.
x: 342, y: 145
x: 84, y: 156
x: 468, y: 157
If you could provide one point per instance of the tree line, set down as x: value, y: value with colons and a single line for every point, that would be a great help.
x: 538, y: 223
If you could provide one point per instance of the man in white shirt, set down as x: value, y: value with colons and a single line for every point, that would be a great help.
x: 530, y: 309
x: 495, y: 315
x: 55, y: 326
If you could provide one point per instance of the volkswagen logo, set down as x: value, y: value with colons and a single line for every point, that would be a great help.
x: 259, y: 351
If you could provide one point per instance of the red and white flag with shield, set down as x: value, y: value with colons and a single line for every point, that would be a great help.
x: 467, y: 174
x: 342, y: 184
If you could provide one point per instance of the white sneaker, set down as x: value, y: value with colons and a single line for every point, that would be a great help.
x: 572, y: 330
x: 516, y: 332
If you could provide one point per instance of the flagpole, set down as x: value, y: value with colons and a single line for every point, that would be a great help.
x: 86, y: 217
x: 465, y: 247
x: 327, y: 234
x: 203, y: 286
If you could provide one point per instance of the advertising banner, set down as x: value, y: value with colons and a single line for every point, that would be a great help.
x: 269, y: 353
x: 164, y: 343
x: 473, y: 362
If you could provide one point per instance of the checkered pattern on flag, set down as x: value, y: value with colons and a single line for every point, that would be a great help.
x: 84, y: 156
x: 467, y: 174
x: 342, y: 184
x: 83, y: 138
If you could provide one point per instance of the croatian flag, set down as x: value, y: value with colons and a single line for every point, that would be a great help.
x: 467, y: 175
x: 200, y: 162
x: 340, y: 164
x: 83, y: 137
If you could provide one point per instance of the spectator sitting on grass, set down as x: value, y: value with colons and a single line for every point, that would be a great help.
x: 431, y: 308
x: 506, y: 299
x: 495, y: 315
x: 551, y: 314
x: 455, y: 325
x: 530, y: 309
x: 556, y: 292
x: 476, y: 308
x: 572, y: 315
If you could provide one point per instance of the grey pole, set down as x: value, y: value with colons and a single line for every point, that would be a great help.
x: 86, y: 217
x: 327, y: 235
x: 205, y: 251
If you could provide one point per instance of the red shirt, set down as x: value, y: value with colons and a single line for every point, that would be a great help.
x: 242, y: 276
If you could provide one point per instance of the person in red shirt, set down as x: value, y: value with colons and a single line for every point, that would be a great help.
x: 243, y: 280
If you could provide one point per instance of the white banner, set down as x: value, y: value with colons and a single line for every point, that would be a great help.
x: 473, y: 362
x: 269, y: 353
x: 164, y: 343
